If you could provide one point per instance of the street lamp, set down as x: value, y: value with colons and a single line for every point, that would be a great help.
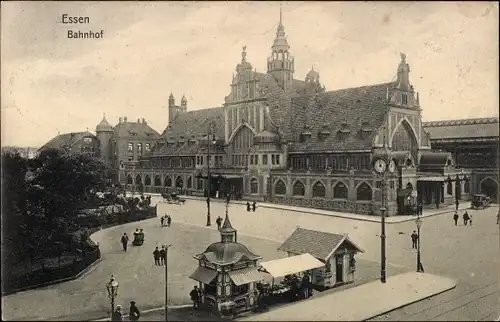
x: 419, y: 222
x: 209, y: 143
x: 383, y: 163
x: 112, y: 287
x: 166, y: 280
x: 458, y: 179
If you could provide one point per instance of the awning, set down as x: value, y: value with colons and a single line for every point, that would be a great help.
x: 245, y: 276
x: 204, y: 275
x: 291, y: 265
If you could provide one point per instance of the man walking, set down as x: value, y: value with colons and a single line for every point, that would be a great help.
x: 254, y: 204
x: 156, y: 255
x: 455, y: 218
x: 163, y: 255
x: 124, y: 241
x: 169, y: 220
x: 162, y: 220
x: 134, y: 313
x: 195, y: 297
x: 414, y: 240
x: 466, y: 218
x: 218, y: 221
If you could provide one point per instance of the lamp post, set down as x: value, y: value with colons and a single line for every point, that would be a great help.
x: 419, y: 221
x: 209, y: 181
x: 458, y: 179
x: 166, y: 280
x: 112, y: 287
x: 383, y: 163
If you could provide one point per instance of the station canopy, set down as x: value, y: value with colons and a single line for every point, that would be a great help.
x: 290, y: 265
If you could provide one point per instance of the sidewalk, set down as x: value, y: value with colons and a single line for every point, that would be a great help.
x: 389, y: 220
x: 362, y: 302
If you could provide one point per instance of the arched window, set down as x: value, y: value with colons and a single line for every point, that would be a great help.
x: 280, y: 188
x: 138, y: 179
x: 157, y: 181
x: 189, y: 183
x: 319, y: 190
x: 254, y: 186
x: 129, y: 179
x: 168, y: 181
x: 409, y: 186
x: 147, y: 180
x: 179, y: 183
x: 299, y: 189
x: 364, y: 192
x: 404, y: 140
x: 340, y: 191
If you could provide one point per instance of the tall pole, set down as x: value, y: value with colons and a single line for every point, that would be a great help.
x: 209, y: 178
x: 112, y: 303
x: 382, y: 235
x: 166, y: 281
x: 419, y: 266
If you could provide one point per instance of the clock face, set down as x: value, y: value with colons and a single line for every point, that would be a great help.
x: 392, y: 166
x: 380, y: 165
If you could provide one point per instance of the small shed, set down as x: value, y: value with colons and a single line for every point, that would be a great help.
x: 336, y: 251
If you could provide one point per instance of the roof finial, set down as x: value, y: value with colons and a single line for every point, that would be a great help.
x: 403, y: 57
x: 244, y: 54
x: 281, y: 15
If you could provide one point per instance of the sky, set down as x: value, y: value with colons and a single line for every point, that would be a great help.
x: 51, y: 84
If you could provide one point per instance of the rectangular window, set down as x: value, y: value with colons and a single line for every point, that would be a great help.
x: 256, y: 159
x: 273, y: 159
x: 139, y: 148
x: 147, y: 147
x: 131, y: 147
x: 251, y: 160
x: 264, y: 159
x: 277, y: 159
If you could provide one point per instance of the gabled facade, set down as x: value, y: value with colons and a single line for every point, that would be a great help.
x: 284, y: 140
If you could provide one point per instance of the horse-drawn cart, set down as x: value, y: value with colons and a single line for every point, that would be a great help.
x: 173, y: 198
x: 480, y: 201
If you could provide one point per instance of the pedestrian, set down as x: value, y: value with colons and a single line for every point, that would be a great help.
x: 163, y: 255
x: 156, y: 255
x: 218, y: 221
x: 124, y: 241
x: 306, y: 280
x: 117, y: 314
x: 195, y: 297
x: 162, y: 220
x: 133, y: 313
x: 414, y: 240
x: 253, y: 206
x: 420, y: 209
x: 248, y: 206
x: 466, y: 218
x: 470, y: 219
x: 455, y: 218
x: 169, y: 220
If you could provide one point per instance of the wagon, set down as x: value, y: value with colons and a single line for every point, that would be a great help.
x: 480, y: 201
x: 138, y: 239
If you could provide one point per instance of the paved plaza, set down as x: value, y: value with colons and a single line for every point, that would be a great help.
x: 467, y: 254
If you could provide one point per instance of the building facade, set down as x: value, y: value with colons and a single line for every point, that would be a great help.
x: 473, y: 143
x: 283, y: 140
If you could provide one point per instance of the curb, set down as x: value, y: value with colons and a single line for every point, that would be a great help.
x: 410, y: 303
x: 62, y: 280
x: 270, y: 206
x: 152, y: 310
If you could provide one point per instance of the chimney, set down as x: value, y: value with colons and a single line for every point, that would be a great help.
x: 143, y: 120
x: 120, y: 120
x: 138, y: 120
x: 125, y: 119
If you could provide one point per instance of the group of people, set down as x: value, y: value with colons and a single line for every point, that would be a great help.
x: 466, y: 217
x: 299, y: 289
x: 133, y: 315
x: 160, y: 256
x: 165, y: 221
x: 254, y: 204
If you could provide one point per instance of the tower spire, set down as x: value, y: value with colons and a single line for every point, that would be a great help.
x: 281, y: 15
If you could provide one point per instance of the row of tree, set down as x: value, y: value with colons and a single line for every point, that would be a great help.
x: 41, y: 200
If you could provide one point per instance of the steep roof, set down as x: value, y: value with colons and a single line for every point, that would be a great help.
x: 104, y: 126
x: 462, y: 129
x: 356, y: 112
x: 66, y: 140
x: 191, y: 125
x: 141, y: 129
x: 317, y: 243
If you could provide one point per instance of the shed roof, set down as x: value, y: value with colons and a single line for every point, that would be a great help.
x: 290, y: 265
x: 462, y: 129
x: 317, y: 243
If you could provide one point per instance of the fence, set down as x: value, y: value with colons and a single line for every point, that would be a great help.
x: 41, y: 271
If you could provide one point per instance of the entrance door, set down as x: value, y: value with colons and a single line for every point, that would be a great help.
x: 339, y: 270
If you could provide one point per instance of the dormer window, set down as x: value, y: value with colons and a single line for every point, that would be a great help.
x: 306, y: 134
x: 324, y: 132
x: 343, y: 131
